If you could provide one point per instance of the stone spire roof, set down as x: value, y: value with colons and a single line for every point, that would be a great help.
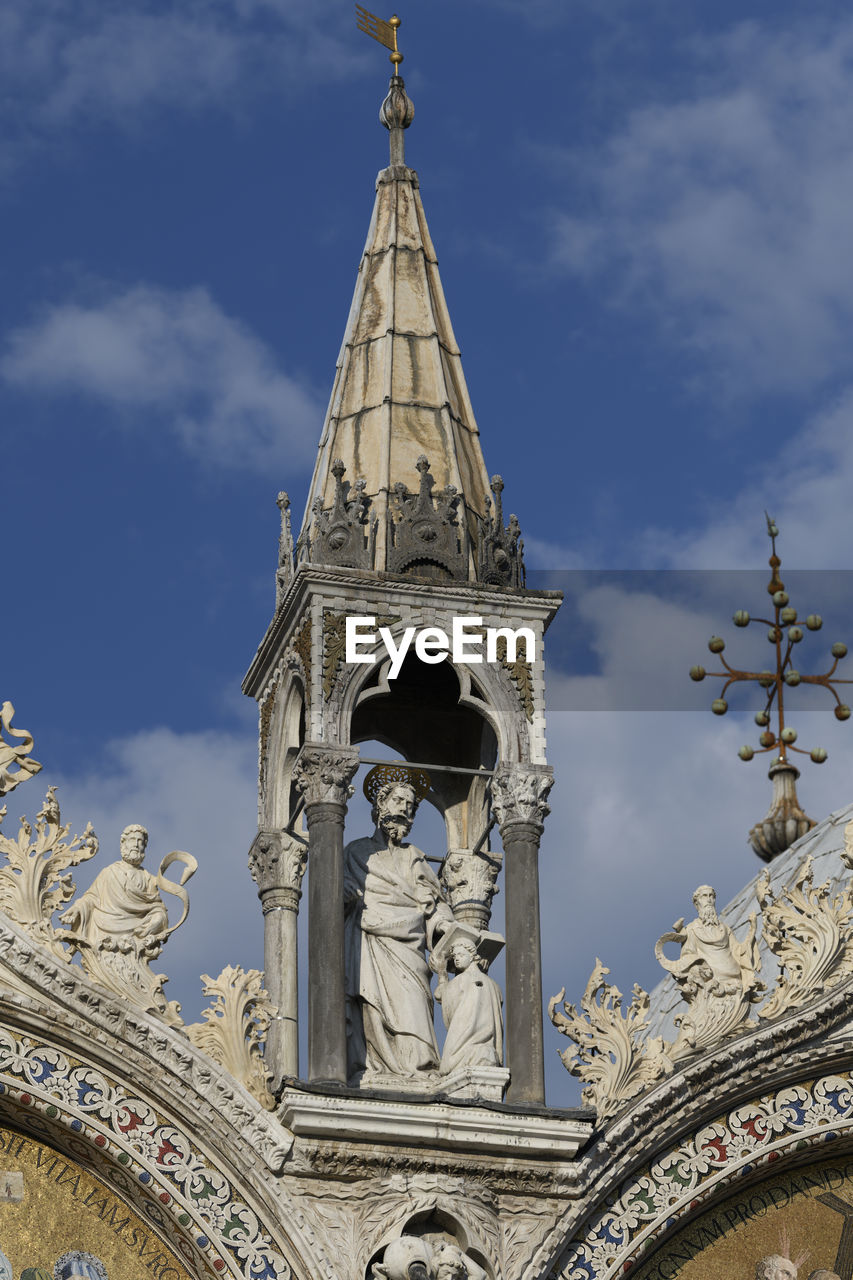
x: 399, y: 402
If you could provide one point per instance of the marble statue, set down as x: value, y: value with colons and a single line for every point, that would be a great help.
x: 415, y: 1258
x: 405, y: 1259
x: 470, y: 1005
x: 121, y: 923
x: 450, y: 1263
x: 395, y: 909
x: 717, y: 975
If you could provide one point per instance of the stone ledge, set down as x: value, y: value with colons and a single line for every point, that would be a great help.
x: 468, y: 1128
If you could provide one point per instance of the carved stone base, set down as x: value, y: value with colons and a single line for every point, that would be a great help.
x: 457, y: 1127
x: 488, y: 1083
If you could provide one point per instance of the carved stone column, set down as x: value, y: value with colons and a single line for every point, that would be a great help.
x: 277, y: 862
x: 519, y: 795
x: 323, y: 775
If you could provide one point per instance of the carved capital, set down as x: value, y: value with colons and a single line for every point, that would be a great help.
x: 323, y: 774
x: 470, y: 881
x: 277, y: 862
x: 520, y: 794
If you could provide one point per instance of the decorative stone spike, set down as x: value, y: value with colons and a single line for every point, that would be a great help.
x: 501, y: 560
x: 284, y: 573
x: 343, y: 536
x: 424, y: 535
x: 785, y: 821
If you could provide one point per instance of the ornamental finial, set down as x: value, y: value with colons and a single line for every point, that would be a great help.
x: 397, y: 111
x: 786, y: 821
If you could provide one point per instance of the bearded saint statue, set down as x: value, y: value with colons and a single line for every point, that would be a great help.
x: 395, y: 909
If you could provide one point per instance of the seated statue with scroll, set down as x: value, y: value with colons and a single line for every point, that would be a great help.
x: 121, y: 923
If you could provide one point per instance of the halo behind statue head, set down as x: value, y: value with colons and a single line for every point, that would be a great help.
x: 382, y: 774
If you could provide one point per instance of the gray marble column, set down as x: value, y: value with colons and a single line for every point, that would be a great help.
x: 323, y: 775
x: 519, y: 800
x: 277, y: 863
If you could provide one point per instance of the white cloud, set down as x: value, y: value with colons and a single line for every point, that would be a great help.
x: 112, y: 59
x: 178, y: 355
x: 726, y: 213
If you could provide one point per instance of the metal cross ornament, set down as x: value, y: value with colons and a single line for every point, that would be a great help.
x: 786, y: 821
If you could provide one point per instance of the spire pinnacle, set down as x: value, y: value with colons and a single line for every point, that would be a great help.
x: 397, y: 111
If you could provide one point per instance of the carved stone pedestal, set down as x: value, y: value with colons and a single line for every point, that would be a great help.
x: 488, y: 1083
x: 344, y: 1117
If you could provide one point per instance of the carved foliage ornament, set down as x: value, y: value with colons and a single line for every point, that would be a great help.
x: 470, y: 882
x: 235, y: 1026
x: 277, y: 860
x: 501, y: 558
x: 334, y: 644
x: 32, y: 883
x: 520, y: 794
x: 610, y: 1056
x: 323, y: 775
x: 14, y: 754
x: 809, y: 933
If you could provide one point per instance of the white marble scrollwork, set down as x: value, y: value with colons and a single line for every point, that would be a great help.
x: 613, y: 1056
x: 121, y: 923
x: 16, y: 763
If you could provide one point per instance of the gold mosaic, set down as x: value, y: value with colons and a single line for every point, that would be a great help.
x: 60, y: 1222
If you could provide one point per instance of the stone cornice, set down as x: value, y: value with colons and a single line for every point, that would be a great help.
x: 454, y: 596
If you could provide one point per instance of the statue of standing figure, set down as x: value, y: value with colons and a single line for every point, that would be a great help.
x: 471, y: 1002
x: 395, y: 909
x: 121, y: 923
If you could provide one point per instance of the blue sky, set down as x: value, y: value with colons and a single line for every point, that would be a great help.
x: 642, y: 217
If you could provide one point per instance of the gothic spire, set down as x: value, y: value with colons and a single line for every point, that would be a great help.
x: 399, y: 396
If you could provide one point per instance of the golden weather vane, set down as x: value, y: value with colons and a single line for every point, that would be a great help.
x: 786, y: 821
x: 379, y: 29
